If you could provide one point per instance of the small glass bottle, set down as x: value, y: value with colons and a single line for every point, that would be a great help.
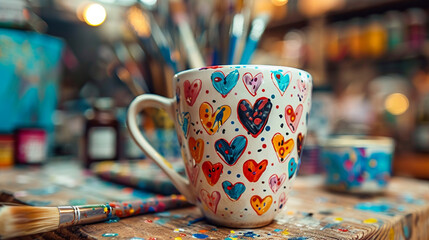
x: 102, y: 133
x: 6, y: 150
x: 31, y: 144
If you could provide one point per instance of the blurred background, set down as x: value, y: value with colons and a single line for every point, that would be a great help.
x: 69, y: 69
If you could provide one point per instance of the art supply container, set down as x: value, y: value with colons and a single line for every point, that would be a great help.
x: 31, y: 146
x: 6, y: 150
x: 102, y: 136
x: 357, y: 164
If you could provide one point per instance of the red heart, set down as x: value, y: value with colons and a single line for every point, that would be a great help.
x: 253, y: 171
x: 212, y: 172
x: 192, y: 91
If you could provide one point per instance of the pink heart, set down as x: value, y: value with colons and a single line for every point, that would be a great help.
x: 193, y: 172
x: 276, y: 182
x: 211, y: 200
x: 293, y: 117
x: 302, y: 87
x: 192, y: 91
x: 282, y: 200
x: 252, y: 83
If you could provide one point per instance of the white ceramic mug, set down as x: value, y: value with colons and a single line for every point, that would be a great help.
x: 241, y: 130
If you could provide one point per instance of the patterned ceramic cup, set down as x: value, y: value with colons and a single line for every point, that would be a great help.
x: 241, y: 130
x: 358, y: 164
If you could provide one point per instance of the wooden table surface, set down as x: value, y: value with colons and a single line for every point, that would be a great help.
x: 402, y: 212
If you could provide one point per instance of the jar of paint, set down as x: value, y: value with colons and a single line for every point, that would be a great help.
x: 30, y: 146
x: 102, y: 133
x: 6, y: 150
x: 357, y: 164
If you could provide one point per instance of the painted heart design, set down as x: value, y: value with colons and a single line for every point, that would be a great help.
x: 254, y: 118
x: 281, y: 80
x: 231, y: 152
x: 260, y: 205
x: 191, y: 91
x: 224, y: 84
x: 212, y: 172
x: 283, y: 148
x: 293, y: 117
x: 253, y: 83
x: 303, y: 85
x: 253, y: 171
x: 276, y: 182
x: 212, y: 121
x: 192, y: 173
x: 282, y: 200
x: 233, y: 191
x: 184, y: 119
x: 196, y: 147
x: 210, y: 200
x: 292, y: 166
x: 299, y: 144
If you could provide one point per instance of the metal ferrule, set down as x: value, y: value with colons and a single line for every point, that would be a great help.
x: 72, y: 215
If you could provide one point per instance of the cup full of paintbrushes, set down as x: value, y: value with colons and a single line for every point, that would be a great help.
x: 16, y: 221
x: 241, y: 130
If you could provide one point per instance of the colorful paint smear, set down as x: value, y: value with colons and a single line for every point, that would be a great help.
x: 110, y: 234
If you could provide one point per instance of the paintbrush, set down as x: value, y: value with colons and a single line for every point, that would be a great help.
x: 258, y: 27
x: 16, y: 221
x: 237, y: 28
x: 181, y: 20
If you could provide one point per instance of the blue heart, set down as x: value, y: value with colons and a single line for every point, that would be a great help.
x: 282, y: 80
x: 292, y: 166
x: 231, y: 152
x: 223, y: 84
x: 254, y: 118
x: 183, y: 120
x: 233, y: 191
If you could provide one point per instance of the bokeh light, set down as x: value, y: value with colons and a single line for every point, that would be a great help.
x: 139, y: 21
x: 94, y: 14
x: 279, y: 2
x: 396, y: 103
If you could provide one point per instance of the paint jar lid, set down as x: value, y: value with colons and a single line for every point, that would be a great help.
x: 358, y: 141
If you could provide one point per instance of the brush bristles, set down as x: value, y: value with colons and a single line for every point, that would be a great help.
x: 25, y: 220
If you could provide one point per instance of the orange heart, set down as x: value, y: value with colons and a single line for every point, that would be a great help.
x: 212, y: 121
x: 283, y: 148
x: 196, y: 147
x: 260, y: 205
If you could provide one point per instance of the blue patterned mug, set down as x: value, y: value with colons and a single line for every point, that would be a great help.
x: 358, y: 164
x: 241, y: 130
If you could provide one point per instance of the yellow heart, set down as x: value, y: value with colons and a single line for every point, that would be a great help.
x: 260, y: 205
x: 283, y: 148
x: 212, y: 121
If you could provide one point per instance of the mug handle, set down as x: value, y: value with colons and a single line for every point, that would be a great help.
x: 137, y: 105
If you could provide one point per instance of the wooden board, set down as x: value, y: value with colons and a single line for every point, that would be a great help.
x: 312, y: 213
